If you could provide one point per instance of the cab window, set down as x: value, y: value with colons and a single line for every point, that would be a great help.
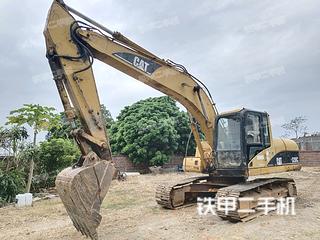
x: 252, y: 129
x: 266, y: 134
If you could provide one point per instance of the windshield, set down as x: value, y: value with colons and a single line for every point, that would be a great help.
x: 229, y: 142
x: 229, y: 134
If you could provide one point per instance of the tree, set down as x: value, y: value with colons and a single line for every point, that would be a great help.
x: 38, y: 118
x: 61, y: 128
x: 106, y: 116
x: 57, y: 154
x: 182, y: 125
x: 146, y: 131
x: 10, y: 140
x: 28, y: 151
x: 11, y: 183
x: 296, y: 125
x: 53, y: 156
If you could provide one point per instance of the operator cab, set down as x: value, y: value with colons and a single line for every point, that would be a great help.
x: 240, y: 135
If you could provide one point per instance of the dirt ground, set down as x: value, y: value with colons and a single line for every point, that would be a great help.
x: 130, y: 212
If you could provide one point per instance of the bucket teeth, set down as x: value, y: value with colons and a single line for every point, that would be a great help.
x: 82, y: 191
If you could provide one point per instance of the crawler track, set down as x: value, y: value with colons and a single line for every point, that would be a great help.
x: 184, y: 193
x: 259, y: 188
x: 172, y: 196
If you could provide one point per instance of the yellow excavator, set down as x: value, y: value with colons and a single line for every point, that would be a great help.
x: 236, y: 144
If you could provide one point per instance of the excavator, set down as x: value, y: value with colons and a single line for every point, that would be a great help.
x: 231, y: 146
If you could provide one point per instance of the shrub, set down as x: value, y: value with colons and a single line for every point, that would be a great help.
x: 57, y: 154
x: 53, y: 156
x: 11, y: 183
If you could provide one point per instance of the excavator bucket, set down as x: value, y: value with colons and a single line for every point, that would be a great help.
x: 82, y: 190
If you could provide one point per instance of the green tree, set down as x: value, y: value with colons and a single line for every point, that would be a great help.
x: 10, y: 141
x: 296, y: 126
x: 57, y: 154
x: 53, y: 156
x: 182, y: 125
x: 11, y: 183
x: 61, y: 128
x: 107, y: 117
x: 146, y: 131
x: 38, y: 118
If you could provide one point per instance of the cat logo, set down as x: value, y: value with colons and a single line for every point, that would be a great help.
x: 146, y: 65
x: 139, y: 63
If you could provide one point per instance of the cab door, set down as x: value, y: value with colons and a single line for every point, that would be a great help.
x: 257, y: 137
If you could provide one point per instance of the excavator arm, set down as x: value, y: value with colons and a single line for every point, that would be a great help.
x: 72, y: 47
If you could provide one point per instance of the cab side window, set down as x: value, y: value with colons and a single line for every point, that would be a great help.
x: 252, y: 128
x: 266, y: 134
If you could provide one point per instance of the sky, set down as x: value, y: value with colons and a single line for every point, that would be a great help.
x: 262, y: 55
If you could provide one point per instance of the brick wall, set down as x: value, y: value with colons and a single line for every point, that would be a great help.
x: 124, y: 164
x: 174, y: 162
x: 310, y: 158
x: 307, y: 158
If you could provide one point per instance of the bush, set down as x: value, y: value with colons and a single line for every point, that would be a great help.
x: 11, y: 183
x: 53, y: 156
x: 2, y: 203
x: 44, y: 181
x: 57, y: 154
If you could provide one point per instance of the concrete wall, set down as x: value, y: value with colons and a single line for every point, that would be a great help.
x: 310, y: 158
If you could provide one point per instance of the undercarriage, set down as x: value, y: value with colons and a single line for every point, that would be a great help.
x: 186, y: 193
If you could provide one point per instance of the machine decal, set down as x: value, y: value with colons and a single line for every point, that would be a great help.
x: 295, y: 159
x: 285, y: 158
x: 141, y: 63
x: 279, y: 160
